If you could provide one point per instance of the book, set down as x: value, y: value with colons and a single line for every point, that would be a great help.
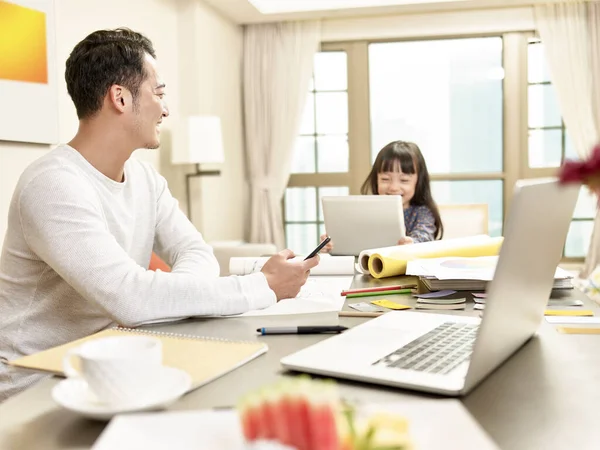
x: 328, y: 265
x: 203, y: 358
x: 441, y: 301
x: 447, y: 306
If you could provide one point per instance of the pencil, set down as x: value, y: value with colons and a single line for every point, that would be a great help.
x: 379, y: 288
x: 359, y: 314
x: 369, y: 294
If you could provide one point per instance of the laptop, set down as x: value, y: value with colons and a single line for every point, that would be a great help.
x: 448, y: 354
x: 360, y: 222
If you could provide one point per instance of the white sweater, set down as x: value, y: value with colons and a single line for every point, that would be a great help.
x: 76, y: 254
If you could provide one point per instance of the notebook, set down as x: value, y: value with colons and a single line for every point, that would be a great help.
x: 203, y: 358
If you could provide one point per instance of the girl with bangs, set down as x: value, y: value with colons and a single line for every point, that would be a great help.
x: 400, y: 169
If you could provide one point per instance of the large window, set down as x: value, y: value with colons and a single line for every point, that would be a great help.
x: 445, y: 96
x: 549, y: 145
x: 482, y: 110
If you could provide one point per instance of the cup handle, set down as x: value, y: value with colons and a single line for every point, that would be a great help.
x: 68, y: 368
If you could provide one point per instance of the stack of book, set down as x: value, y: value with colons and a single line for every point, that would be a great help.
x: 434, y: 284
x: 467, y: 274
x: 441, y: 303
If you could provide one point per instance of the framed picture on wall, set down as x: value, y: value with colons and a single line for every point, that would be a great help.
x: 28, y: 73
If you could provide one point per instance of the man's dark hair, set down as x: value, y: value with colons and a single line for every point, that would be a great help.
x: 102, y: 59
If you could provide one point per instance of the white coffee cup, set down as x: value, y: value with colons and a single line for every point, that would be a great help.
x: 119, y: 369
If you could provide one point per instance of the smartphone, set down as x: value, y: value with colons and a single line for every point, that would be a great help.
x: 318, y: 249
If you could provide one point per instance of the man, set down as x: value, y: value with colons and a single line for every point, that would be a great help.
x: 85, y: 218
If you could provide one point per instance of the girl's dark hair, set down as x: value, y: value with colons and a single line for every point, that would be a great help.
x: 408, y: 157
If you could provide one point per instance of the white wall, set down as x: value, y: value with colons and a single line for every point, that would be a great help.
x: 210, y: 83
x: 210, y: 55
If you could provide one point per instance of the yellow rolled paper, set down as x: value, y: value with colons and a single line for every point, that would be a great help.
x: 394, y: 263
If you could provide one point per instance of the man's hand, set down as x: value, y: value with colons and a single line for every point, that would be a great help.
x: 285, y: 277
x: 405, y: 241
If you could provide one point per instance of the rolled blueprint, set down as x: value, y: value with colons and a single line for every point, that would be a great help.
x: 392, y: 260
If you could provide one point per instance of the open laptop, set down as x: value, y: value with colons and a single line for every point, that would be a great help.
x: 449, y: 354
x: 360, y: 222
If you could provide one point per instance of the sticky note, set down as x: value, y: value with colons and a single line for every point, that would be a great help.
x: 574, y: 330
x: 568, y: 312
x: 389, y: 304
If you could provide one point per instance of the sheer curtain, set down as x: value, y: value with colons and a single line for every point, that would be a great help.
x: 278, y: 63
x: 569, y: 32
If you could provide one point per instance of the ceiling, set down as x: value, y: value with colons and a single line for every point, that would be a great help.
x: 255, y: 11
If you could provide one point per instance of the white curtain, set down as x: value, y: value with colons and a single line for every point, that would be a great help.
x: 278, y: 63
x: 570, y: 39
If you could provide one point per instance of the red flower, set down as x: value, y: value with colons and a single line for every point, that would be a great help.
x: 581, y: 171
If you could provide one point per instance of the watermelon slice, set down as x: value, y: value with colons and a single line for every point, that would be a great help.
x: 309, y: 415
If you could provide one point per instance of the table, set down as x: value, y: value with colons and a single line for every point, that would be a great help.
x: 544, y: 396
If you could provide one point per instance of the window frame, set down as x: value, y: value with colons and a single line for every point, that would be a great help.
x: 515, y: 126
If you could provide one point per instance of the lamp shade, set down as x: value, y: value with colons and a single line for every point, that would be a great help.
x: 198, y: 140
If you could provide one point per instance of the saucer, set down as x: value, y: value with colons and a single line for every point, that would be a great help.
x: 74, y: 395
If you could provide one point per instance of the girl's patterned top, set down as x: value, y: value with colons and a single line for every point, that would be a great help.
x: 419, y: 223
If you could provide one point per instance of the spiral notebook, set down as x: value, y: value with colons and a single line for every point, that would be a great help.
x: 203, y: 358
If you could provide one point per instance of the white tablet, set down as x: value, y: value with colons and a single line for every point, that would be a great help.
x: 359, y: 222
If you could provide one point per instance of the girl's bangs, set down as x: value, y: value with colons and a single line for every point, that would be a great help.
x: 402, y: 162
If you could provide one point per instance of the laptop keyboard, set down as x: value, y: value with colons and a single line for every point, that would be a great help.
x: 440, y: 351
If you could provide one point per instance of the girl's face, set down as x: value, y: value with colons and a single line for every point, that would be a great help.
x: 397, y: 183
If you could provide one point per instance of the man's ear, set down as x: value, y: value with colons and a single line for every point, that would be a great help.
x: 119, y: 97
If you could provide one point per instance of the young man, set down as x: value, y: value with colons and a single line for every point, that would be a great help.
x: 85, y: 218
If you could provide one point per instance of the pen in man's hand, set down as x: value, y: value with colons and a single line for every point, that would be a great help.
x: 301, y: 330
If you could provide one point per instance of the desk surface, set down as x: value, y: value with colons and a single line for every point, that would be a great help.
x: 544, y: 396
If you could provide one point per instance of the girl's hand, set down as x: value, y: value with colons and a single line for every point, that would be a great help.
x: 328, y: 247
x: 405, y: 241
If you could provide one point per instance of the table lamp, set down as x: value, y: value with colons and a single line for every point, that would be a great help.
x: 197, y: 140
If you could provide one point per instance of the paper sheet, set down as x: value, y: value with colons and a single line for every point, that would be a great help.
x: 319, y: 294
x: 328, y: 265
x: 455, y: 428
x: 463, y: 268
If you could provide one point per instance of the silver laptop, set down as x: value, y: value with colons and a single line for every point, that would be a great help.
x: 449, y: 354
x: 360, y: 222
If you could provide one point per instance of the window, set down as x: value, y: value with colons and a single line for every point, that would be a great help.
x: 445, y: 96
x: 321, y: 150
x: 482, y: 110
x: 549, y: 145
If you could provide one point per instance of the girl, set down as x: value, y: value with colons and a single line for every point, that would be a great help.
x: 400, y: 169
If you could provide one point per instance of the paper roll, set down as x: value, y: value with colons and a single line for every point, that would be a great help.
x: 362, y: 264
x: 365, y: 255
x: 393, y: 262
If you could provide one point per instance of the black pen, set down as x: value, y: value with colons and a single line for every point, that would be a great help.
x: 301, y: 330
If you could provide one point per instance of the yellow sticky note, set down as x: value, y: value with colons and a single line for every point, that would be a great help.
x: 389, y: 304
x: 568, y: 312
x: 574, y: 330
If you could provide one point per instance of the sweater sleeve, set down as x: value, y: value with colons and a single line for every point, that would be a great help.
x: 64, y: 226
x: 424, y: 229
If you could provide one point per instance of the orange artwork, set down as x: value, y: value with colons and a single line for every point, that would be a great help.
x: 23, y: 50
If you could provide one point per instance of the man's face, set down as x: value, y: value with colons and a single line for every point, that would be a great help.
x: 150, y: 107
